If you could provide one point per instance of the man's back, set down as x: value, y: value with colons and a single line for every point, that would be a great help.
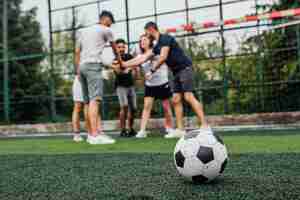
x: 177, y: 59
x: 92, y: 43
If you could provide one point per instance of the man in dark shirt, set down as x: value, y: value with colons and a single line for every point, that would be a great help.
x: 181, y: 66
x: 126, y: 92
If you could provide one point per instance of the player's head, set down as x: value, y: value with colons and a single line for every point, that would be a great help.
x: 106, y: 18
x: 121, y: 46
x: 151, y: 28
x: 146, y: 42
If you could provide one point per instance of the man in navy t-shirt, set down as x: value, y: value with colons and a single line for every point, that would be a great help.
x: 181, y: 66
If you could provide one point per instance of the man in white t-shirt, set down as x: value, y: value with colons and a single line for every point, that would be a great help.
x: 92, y: 42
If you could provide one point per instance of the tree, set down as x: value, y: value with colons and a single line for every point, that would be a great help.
x: 269, y: 59
x: 280, y: 61
x: 26, y: 76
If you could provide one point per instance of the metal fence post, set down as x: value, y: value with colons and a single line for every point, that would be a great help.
x: 187, y: 11
x: 6, y: 95
x: 298, y: 53
x: 74, y: 36
x: 259, y: 65
x: 52, y: 82
x: 298, y: 37
x: 127, y: 22
x: 155, y: 11
x: 225, y: 81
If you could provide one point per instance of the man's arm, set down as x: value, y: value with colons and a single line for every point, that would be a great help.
x: 137, y: 61
x: 164, y: 53
x: 116, y: 67
x: 77, y: 60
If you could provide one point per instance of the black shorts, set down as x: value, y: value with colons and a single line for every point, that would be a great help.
x: 161, y: 92
x: 183, y: 81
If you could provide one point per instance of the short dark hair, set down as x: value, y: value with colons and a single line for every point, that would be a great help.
x: 120, y: 40
x: 106, y: 13
x: 151, y: 24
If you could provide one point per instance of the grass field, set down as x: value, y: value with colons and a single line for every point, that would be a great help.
x: 263, y: 165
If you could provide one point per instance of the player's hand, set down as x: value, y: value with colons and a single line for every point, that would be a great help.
x: 122, y: 66
x: 115, y: 65
x: 148, y: 76
x: 126, y: 70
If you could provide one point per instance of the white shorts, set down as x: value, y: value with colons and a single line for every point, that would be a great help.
x: 77, y: 90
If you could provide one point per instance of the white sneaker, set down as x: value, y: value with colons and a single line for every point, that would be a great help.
x: 77, y: 138
x: 169, y: 130
x: 100, y: 139
x: 141, y: 134
x: 175, y: 134
x: 206, y: 130
x: 88, y: 138
x: 106, y: 139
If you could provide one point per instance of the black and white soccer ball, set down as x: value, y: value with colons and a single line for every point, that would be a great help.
x: 200, y: 156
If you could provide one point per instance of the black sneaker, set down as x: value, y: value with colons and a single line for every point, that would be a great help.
x: 123, y: 133
x: 132, y: 133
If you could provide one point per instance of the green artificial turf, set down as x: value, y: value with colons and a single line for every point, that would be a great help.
x: 262, y: 166
x: 145, y: 176
x: 247, y: 142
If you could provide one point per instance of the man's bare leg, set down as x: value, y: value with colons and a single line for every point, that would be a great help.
x: 93, y: 114
x: 197, y: 107
x: 95, y: 119
x: 180, y: 131
x: 87, y: 123
x: 123, y: 117
x: 76, y: 121
x: 76, y: 117
x: 167, y: 113
x: 86, y: 119
x: 131, y: 118
x: 177, y: 103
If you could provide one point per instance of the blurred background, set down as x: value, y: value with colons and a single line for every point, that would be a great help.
x: 239, y: 69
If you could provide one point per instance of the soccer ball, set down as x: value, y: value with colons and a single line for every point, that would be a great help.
x: 200, y: 156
